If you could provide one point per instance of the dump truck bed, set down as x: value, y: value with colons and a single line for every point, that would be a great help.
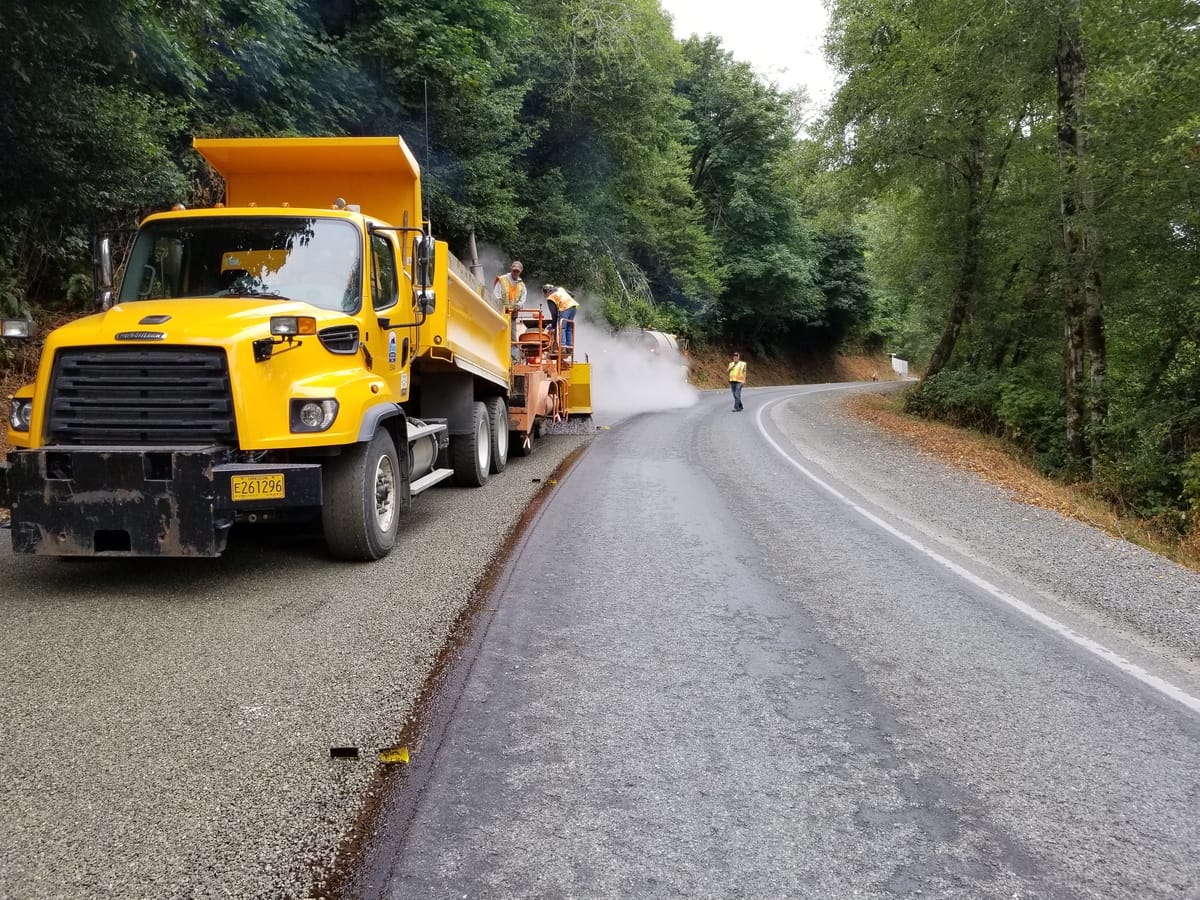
x: 378, y: 174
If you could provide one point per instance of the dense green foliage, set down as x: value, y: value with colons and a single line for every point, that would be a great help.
x: 657, y: 178
x: 1027, y: 178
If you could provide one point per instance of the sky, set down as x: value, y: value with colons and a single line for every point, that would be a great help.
x: 781, y: 40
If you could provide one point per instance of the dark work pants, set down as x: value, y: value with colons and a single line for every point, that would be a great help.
x: 567, y: 318
x: 736, y: 387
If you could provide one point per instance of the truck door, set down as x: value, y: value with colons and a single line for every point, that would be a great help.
x: 386, y: 290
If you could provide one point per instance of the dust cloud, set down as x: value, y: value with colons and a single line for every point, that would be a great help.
x: 628, y: 379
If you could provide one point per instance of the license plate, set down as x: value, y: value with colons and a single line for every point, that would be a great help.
x: 256, y: 487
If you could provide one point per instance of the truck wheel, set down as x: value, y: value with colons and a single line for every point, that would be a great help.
x: 497, y: 411
x: 361, y: 509
x: 470, y: 454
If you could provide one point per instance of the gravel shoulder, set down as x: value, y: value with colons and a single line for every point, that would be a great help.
x: 1089, y: 575
x: 168, y: 723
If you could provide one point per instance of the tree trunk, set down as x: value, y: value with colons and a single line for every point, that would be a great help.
x: 968, y: 276
x: 1073, y: 394
x: 1069, y: 68
x: 1016, y: 339
x: 1096, y: 343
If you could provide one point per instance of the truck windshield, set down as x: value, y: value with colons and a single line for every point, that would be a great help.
x: 317, y: 261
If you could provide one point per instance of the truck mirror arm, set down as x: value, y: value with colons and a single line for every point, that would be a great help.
x: 264, y: 348
x: 387, y: 324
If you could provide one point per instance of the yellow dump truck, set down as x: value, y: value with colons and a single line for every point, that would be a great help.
x: 307, y: 348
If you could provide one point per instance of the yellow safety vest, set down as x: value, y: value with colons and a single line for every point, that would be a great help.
x: 509, y: 291
x: 737, y: 371
x: 561, y: 299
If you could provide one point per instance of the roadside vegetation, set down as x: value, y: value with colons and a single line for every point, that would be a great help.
x: 1006, y: 195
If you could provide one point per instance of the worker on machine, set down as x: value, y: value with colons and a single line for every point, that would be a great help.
x: 562, y: 306
x: 509, y: 291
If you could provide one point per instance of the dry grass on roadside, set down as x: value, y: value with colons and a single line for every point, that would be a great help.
x: 995, y: 461
x: 709, y: 369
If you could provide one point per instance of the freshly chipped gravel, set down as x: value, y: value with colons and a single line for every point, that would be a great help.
x: 168, y: 724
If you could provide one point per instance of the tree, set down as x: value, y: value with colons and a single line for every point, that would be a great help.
x: 741, y: 172
x: 444, y: 75
x: 611, y: 206
x: 936, y: 95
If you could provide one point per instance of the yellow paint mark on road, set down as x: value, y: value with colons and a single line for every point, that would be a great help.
x: 393, y: 755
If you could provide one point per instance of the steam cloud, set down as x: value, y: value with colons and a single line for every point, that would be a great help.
x: 628, y: 379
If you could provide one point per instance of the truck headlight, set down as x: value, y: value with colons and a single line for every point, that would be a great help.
x: 291, y: 326
x: 19, y: 413
x: 16, y: 329
x: 313, y: 415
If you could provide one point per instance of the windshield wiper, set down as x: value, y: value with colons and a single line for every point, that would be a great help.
x: 255, y: 292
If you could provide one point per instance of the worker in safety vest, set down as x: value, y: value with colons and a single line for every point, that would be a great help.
x: 509, y: 292
x: 562, y: 306
x: 737, y: 378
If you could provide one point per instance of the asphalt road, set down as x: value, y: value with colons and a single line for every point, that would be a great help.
x: 770, y: 654
x: 729, y: 655
x: 166, y: 725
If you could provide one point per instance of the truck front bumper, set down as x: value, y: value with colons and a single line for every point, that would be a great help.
x: 122, y: 501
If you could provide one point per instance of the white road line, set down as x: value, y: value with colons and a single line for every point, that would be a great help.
x: 1115, y: 659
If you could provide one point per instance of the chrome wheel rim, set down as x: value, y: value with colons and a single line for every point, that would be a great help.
x: 385, y: 493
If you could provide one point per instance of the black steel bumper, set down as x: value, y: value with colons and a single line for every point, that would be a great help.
x: 122, y: 501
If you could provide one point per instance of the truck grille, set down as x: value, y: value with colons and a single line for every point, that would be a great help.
x: 133, y: 396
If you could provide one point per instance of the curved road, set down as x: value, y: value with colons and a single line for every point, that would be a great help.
x: 770, y: 654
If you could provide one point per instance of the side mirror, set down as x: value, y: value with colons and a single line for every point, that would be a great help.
x: 102, y: 274
x: 424, y: 261
x: 424, y: 251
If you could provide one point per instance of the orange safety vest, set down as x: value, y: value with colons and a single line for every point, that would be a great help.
x: 561, y: 299
x: 737, y: 371
x: 509, y: 291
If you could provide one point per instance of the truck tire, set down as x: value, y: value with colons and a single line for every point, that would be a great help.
x: 470, y: 454
x: 361, y: 509
x: 497, y: 411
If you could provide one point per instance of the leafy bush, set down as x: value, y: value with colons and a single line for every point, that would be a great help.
x: 1142, y: 479
x: 1190, y: 474
x: 1015, y: 405
x: 960, y: 397
x: 1031, y: 415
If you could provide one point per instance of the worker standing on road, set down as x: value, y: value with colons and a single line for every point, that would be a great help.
x: 737, y: 379
x: 562, y: 306
x: 509, y: 291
